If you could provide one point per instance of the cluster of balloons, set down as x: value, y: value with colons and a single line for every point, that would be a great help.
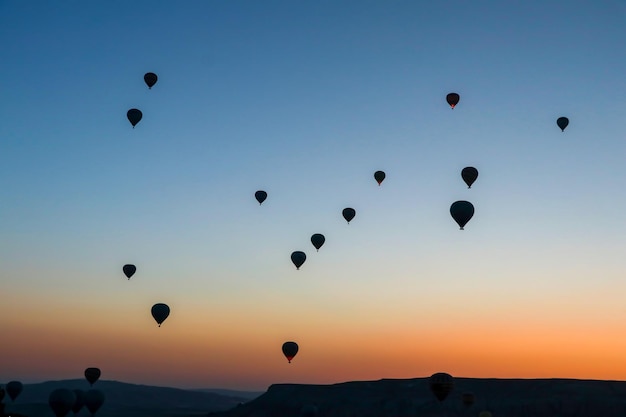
x: 134, y: 115
x: 159, y: 311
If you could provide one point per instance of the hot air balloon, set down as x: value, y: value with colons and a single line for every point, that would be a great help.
x: 348, y: 214
x: 61, y: 401
x: 150, y: 78
x: 462, y: 212
x: 298, y: 258
x: 453, y: 99
x: 1, y: 398
x: 379, y: 176
x: 469, y: 175
x: 129, y: 270
x: 468, y: 399
x: 308, y: 410
x: 14, y: 388
x: 260, y: 196
x: 93, y: 400
x: 160, y: 312
x: 92, y: 375
x: 80, y: 400
x: 134, y: 116
x: 441, y: 385
x: 318, y: 240
x: 562, y: 122
x: 290, y: 349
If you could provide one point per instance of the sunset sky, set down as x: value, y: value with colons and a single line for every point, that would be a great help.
x: 306, y: 100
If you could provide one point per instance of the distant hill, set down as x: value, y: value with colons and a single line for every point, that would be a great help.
x: 412, y: 397
x: 124, y: 400
x: 250, y: 395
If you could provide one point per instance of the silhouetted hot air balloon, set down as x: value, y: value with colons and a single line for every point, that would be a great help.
x: 318, y: 240
x: 308, y: 410
x: 468, y: 399
x: 93, y: 400
x: 469, y: 175
x: 160, y: 312
x: 462, y: 212
x: 348, y: 214
x: 562, y: 122
x: 80, y: 400
x: 379, y: 176
x: 129, y: 270
x: 298, y: 258
x: 453, y: 99
x: 150, y: 78
x: 134, y: 116
x: 61, y: 401
x: 290, y: 349
x: 14, y: 388
x: 441, y: 385
x: 260, y: 196
x: 1, y: 398
x: 92, y: 375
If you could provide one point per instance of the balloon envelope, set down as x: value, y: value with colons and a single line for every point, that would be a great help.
x: 160, y: 312
x: 134, y: 116
x: 348, y: 214
x: 379, y: 176
x: 260, y: 196
x: 92, y: 375
x: 80, y: 400
x: 14, y: 388
x: 318, y: 240
x: 441, y: 385
x: 469, y: 175
x: 61, y: 401
x: 129, y: 270
x: 453, y: 99
x: 150, y: 78
x: 462, y: 212
x: 290, y: 349
x: 93, y: 400
x: 562, y: 122
x: 298, y: 258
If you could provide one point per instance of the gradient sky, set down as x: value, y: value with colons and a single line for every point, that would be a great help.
x: 306, y: 100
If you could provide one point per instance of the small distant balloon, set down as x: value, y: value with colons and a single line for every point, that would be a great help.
x: 134, y: 116
x: 129, y: 270
x: 150, y: 78
x: 14, y: 388
x: 469, y: 175
x: 61, y: 401
x: 308, y: 410
x: 562, y: 122
x: 92, y: 375
x: 348, y: 214
x: 160, y: 312
x: 462, y: 212
x: 441, y: 385
x: 379, y: 176
x: 260, y: 196
x: 453, y: 99
x: 290, y: 349
x: 318, y: 240
x: 80, y: 400
x: 298, y: 258
x: 93, y: 400
x: 468, y: 399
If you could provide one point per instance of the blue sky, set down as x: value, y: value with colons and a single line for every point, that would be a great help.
x: 306, y: 100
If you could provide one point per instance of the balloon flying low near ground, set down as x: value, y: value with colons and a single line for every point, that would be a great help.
x: 441, y: 384
x: 61, y: 401
x: 92, y: 375
x: 13, y: 389
x: 290, y: 349
x: 93, y: 400
x: 80, y: 401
